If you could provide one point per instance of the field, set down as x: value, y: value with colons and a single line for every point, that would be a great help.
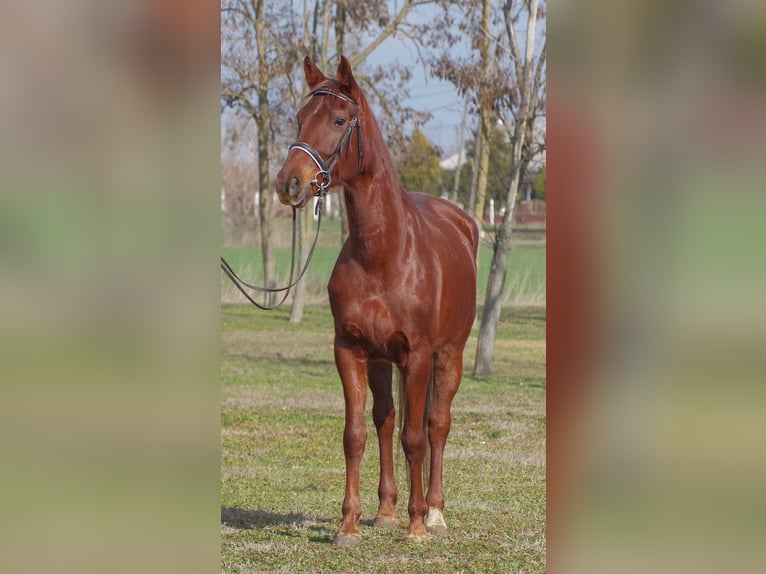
x: 525, y: 285
x: 282, y: 467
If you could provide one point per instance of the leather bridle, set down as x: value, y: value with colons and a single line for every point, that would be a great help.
x: 323, y: 179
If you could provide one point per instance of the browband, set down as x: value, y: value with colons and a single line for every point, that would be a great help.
x: 326, y: 91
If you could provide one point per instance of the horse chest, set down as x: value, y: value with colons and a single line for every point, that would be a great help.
x: 366, y: 322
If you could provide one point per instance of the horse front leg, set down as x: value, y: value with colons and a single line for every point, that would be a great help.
x: 448, y: 371
x: 383, y: 415
x: 416, y: 379
x: 353, y: 373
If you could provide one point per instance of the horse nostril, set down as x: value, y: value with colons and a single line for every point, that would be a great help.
x: 293, y: 186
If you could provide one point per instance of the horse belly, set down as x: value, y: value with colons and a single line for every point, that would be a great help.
x: 454, y: 302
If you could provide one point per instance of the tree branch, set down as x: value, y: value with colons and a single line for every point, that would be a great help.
x: 538, y: 75
x: 511, y: 32
x: 240, y: 97
x: 388, y: 31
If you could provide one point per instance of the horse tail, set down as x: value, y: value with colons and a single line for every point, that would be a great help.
x: 401, y: 401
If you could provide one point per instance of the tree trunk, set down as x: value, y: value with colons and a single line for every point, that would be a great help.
x: 319, y: 52
x: 482, y: 165
x: 478, y: 150
x: 264, y: 202
x: 304, y: 238
x: 493, y: 299
x: 485, y: 111
x: 263, y: 125
x: 460, y: 152
x: 340, y: 36
x: 494, y: 296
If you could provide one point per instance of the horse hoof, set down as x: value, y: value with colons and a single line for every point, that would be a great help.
x: 435, y: 521
x: 385, y: 522
x: 416, y: 538
x: 343, y: 539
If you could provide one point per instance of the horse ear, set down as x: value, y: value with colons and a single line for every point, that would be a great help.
x: 313, y: 74
x: 346, y: 77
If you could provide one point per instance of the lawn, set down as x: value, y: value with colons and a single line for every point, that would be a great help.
x: 525, y: 280
x: 282, y: 467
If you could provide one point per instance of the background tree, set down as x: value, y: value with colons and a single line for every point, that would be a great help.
x: 481, y: 72
x: 250, y: 40
x: 538, y: 184
x: 529, y: 66
x: 238, y: 186
x: 498, y: 171
x: 419, y: 168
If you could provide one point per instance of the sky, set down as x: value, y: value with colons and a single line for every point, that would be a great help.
x: 427, y: 93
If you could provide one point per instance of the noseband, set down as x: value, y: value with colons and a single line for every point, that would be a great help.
x: 323, y: 180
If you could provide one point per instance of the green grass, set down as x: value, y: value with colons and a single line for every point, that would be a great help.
x: 525, y: 280
x: 282, y: 467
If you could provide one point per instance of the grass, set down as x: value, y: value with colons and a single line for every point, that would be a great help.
x: 525, y: 280
x: 282, y: 467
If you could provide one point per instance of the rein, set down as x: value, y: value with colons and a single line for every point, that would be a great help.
x: 241, y: 284
x: 322, y: 182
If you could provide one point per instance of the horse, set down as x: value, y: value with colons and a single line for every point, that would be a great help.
x: 402, y: 293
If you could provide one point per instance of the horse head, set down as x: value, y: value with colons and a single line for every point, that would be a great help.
x: 327, y: 126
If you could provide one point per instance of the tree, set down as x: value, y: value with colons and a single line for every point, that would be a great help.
x: 250, y: 37
x: 238, y: 184
x: 529, y: 67
x: 498, y: 172
x: 482, y: 74
x: 419, y: 170
x: 538, y: 184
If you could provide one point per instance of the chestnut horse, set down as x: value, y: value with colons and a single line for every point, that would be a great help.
x: 403, y: 292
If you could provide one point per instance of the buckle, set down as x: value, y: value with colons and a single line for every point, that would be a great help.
x: 324, y: 184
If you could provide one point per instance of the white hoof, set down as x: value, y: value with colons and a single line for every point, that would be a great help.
x: 435, y: 521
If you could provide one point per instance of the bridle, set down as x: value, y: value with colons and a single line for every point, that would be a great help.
x: 323, y: 179
x: 322, y: 182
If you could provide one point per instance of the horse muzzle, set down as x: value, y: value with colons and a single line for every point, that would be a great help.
x: 292, y: 191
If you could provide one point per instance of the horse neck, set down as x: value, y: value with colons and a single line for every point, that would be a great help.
x: 376, y: 203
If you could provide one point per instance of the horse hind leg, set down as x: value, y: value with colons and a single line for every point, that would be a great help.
x: 383, y: 415
x: 448, y: 371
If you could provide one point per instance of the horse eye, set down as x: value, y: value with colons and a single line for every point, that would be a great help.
x: 340, y: 121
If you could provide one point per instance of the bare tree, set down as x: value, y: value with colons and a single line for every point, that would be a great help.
x: 486, y: 113
x: 529, y: 68
x: 238, y: 182
x: 500, y: 83
x: 482, y: 73
x: 248, y: 32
